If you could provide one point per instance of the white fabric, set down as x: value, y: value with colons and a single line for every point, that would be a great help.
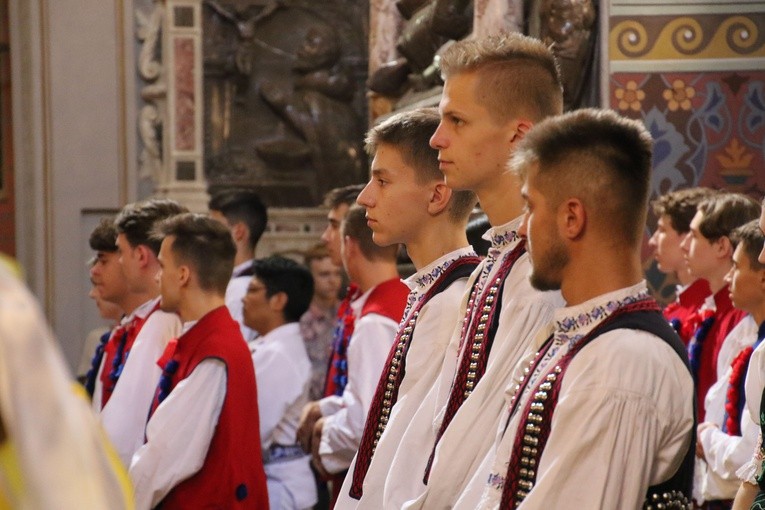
x: 283, y: 371
x: 470, y: 435
x: 427, y: 347
x: 176, y: 446
x: 235, y: 291
x: 716, y: 478
x: 124, y: 416
x: 622, y: 423
x: 373, y: 335
x: 62, y: 455
x: 140, y: 312
x: 755, y: 382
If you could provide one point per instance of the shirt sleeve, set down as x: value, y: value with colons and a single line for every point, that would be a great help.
x: 370, y: 344
x: 124, y: 416
x: 279, y: 387
x: 726, y: 454
x: 618, y: 427
x: 176, y: 446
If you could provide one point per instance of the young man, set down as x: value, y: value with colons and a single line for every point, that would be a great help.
x: 709, y: 252
x: 580, y: 432
x: 338, y: 200
x: 202, y: 445
x: 331, y: 428
x: 408, y: 202
x: 142, y: 339
x: 728, y: 437
x: 318, y: 322
x: 675, y: 210
x: 496, y: 88
x: 244, y: 214
x: 279, y: 293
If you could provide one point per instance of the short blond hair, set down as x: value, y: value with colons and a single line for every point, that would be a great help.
x: 519, y: 75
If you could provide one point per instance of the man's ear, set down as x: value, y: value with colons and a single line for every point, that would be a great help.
x: 144, y: 254
x: 440, y: 194
x: 239, y: 231
x: 521, y: 128
x: 572, y: 218
x: 723, y: 248
x: 278, y: 301
x: 184, y: 275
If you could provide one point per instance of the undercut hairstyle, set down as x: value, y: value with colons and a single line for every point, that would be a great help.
x: 204, y: 245
x: 342, y: 196
x: 137, y: 221
x: 355, y: 226
x: 724, y: 212
x: 680, y: 206
x: 104, y: 236
x: 409, y: 133
x: 598, y: 156
x: 751, y: 239
x: 518, y: 76
x: 242, y: 206
x: 280, y: 274
x: 316, y: 252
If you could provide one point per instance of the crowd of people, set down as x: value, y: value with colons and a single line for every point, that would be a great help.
x: 538, y: 373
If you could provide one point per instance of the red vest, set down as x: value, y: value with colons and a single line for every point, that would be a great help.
x: 682, y: 313
x: 232, y: 475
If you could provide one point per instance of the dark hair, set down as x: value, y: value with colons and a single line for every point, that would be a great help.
x: 751, y: 239
x: 342, y: 196
x: 518, y: 75
x: 205, y: 245
x: 724, y: 212
x: 597, y: 155
x: 680, y: 206
x: 137, y: 221
x: 355, y: 226
x: 104, y: 236
x: 243, y: 206
x: 409, y: 132
x: 476, y: 228
x: 280, y: 274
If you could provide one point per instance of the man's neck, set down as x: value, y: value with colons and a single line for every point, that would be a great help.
x: 501, y: 199
x: 598, y: 275
x: 685, y: 278
x: 323, y: 303
x: 373, y: 273
x: 717, y: 279
x: 135, y: 299
x: 434, y: 241
x: 196, y: 304
x: 242, y: 256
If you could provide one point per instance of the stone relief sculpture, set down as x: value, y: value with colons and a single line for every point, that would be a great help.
x: 282, y: 109
x: 149, y: 28
x: 571, y: 27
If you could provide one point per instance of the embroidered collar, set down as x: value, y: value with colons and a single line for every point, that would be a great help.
x: 424, y: 278
x: 574, y: 322
x: 503, y: 235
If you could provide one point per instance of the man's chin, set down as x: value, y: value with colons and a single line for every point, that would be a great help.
x: 543, y: 283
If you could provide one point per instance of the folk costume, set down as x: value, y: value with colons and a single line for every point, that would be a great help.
x: 282, y: 371
x: 442, y: 443
x: 682, y: 313
x: 718, y: 318
x: 124, y: 416
x: 631, y: 418
x: 729, y: 446
x: 213, y: 460
x: 413, y: 366
x: 378, y: 312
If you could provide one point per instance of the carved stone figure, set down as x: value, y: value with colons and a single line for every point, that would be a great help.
x: 282, y: 113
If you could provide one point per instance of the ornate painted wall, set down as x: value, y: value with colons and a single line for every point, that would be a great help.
x: 695, y: 74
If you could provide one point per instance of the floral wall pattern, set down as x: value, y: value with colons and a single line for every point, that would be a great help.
x: 697, y: 80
